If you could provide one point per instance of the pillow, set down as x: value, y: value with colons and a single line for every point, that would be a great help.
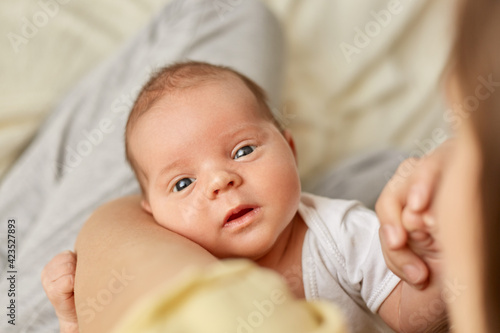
x: 46, y: 46
x: 364, y: 74
x: 360, y: 73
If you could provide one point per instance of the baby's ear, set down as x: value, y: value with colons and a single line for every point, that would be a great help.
x: 146, y: 206
x: 289, y: 138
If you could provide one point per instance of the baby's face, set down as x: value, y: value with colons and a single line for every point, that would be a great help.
x: 217, y: 171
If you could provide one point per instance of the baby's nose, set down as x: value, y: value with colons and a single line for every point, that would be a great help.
x: 221, y: 182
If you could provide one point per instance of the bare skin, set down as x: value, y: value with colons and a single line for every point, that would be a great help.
x: 205, y: 159
x: 99, y: 246
x: 58, y: 280
x: 113, y: 242
x: 405, y: 212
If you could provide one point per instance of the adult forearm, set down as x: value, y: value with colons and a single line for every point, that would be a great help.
x: 122, y: 254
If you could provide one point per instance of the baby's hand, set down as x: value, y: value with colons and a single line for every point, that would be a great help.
x: 58, y: 279
x: 421, y: 241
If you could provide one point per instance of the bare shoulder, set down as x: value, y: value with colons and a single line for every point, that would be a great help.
x: 120, y: 217
x: 123, y: 205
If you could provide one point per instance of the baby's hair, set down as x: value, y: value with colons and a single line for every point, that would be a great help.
x: 181, y: 76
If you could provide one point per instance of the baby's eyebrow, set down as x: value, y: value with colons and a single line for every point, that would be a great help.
x: 166, y: 169
x: 242, y: 129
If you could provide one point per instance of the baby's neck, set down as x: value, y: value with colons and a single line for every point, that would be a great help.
x: 285, y: 257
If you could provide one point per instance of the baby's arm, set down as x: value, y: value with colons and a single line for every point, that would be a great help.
x: 58, y: 278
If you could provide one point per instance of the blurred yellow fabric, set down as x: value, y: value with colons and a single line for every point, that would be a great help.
x: 232, y: 296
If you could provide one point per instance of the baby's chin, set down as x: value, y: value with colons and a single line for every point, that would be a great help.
x: 254, y: 252
x: 259, y: 244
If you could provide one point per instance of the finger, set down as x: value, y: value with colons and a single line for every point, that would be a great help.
x: 390, y: 204
x: 64, y: 286
x: 65, y: 256
x: 61, y: 292
x: 61, y: 295
x: 62, y: 264
x: 394, y: 235
x: 52, y: 274
x: 429, y: 219
x: 421, y: 192
x: 405, y: 264
x: 426, y: 178
x: 59, y: 260
x: 412, y: 221
x: 423, y: 245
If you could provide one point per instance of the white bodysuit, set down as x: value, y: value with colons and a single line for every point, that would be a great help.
x: 342, y: 260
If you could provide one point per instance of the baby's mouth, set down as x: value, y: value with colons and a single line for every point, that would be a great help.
x: 239, y: 214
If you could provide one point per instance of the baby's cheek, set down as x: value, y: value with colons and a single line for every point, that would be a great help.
x: 282, y: 182
x: 169, y: 216
x: 188, y: 213
x: 287, y: 175
x: 192, y: 210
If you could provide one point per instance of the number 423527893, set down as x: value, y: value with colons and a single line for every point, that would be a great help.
x: 11, y: 243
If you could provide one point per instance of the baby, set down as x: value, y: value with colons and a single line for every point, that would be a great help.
x: 216, y: 166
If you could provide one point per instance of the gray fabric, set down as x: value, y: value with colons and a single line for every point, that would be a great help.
x: 360, y: 178
x: 77, y: 161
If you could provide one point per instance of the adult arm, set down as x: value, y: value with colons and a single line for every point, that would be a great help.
x: 407, y: 238
x: 405, y: 209
x: 123, y: 254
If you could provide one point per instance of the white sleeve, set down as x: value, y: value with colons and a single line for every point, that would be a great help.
x: 365, y: 267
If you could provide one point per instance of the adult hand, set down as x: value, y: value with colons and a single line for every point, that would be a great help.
x: 405, y: 212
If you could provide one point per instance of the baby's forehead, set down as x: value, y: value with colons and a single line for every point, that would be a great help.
x: 209, y: 92
x: 179, y: 102
x: 154, y: 136
x: 228, y: 89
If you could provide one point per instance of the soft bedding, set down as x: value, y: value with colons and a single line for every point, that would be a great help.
x: 347, y: 90
x: 46, y: 46
x: 77, y: 160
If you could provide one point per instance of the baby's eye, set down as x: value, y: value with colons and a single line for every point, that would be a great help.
x: 183, y: 183
x: 243, y: 151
